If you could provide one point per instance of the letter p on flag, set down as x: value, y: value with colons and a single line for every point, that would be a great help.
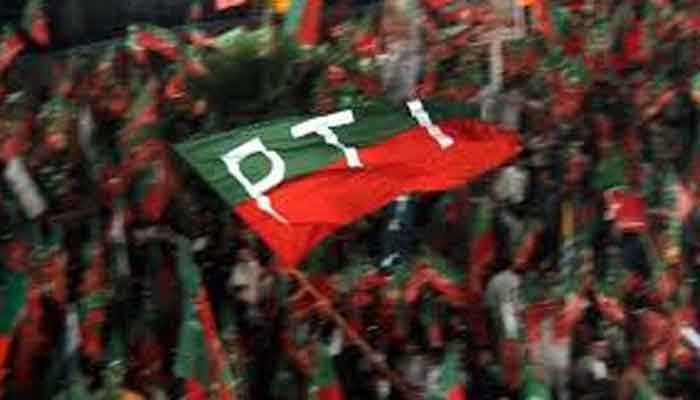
x: 274, y: 177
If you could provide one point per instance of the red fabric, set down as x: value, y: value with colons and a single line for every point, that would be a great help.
x: 534, y: 315
x: 654, y: 328
x: 510, y: 361
x: 90, y: 334
x: 5, y: 342
x: 457, y: 393
x: 543, y: 18
x: 414, y: 285
x: 666, y: 285
x: 436, y: 4
x: 527, y: 250
x: 366, y: 45
x: 570, y: 314
x: 11, y: 47
x: 445, y: 287
x: 331, y: 392
x: 632, y: 43
x: 610, y: 308
x: 627, y: 209
x: 176, y: 87
x: 435, y: 336
x: 194, y: 390
x: 196, y: 68
x: 317, y: 205
x: 151, y: 41
x: 40, y: 29
x: 483, y: 250
x: 310, y: 24
x: 224, y: 4
x: 159, y: 195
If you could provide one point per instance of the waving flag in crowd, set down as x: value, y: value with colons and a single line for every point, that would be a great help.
x: 297, y: 180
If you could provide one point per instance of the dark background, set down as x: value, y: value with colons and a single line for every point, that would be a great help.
x: 79, y: 22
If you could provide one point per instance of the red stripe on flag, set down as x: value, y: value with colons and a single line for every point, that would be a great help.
x: 317, y: 205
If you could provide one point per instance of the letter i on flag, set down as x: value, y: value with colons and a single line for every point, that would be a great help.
x: 298, y: 180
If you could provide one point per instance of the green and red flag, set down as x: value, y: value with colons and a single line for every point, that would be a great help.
x: 11, y: 44
x: 200, y: 359
x: 482, y: 249
x: 93, y: 300
x: 297, y: 180
x: 35, y: 22
x: 303, y: 21
x: 143, y: 111
x: 533, y: 387
x: 451, y: 382
x: 154, y: 38
x: 14, y: 283
x: 324, y: 381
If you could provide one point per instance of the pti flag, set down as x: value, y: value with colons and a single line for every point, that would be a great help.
x: 297, y: 180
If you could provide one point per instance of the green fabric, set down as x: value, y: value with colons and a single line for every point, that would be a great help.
x: 294, y: 17
x: 304, y: 155
x: 533, y: 388
x: 451, y: 374
x: 191, y: 359
x: 609, y: 172
x: 14, y: 287
x: 324, y: 374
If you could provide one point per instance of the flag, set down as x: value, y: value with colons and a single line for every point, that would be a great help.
x: 91, y: 305
x: 200, y: 356
x: 626, y: 209
x: 324, y: 381
x: 36, y: 23
x: 14, y: 285
x: 11, y: 45
x: 534, y: 388
x: 451, y: 382
x: 294, y: 187
x: 142, y: 113
x: 156, y: 39
x: 156, y: 179
x: 225, y: 4
x: 303, y: 21
x: 482, y: 248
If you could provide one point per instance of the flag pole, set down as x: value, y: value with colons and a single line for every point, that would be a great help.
x: 367, y: 350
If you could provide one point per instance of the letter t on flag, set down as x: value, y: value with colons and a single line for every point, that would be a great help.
x: 225, y: 4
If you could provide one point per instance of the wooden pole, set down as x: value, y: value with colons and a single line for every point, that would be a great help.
x: 367, y: 350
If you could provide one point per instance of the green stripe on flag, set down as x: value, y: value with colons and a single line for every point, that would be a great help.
x: 293, y: 18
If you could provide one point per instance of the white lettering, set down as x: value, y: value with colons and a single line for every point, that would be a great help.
x: 421, y: 115
x: 322, y: 126
x: 257, y: 190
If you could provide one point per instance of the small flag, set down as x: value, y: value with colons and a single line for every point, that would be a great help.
x: 11, y: 45
x: 35, y: 22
